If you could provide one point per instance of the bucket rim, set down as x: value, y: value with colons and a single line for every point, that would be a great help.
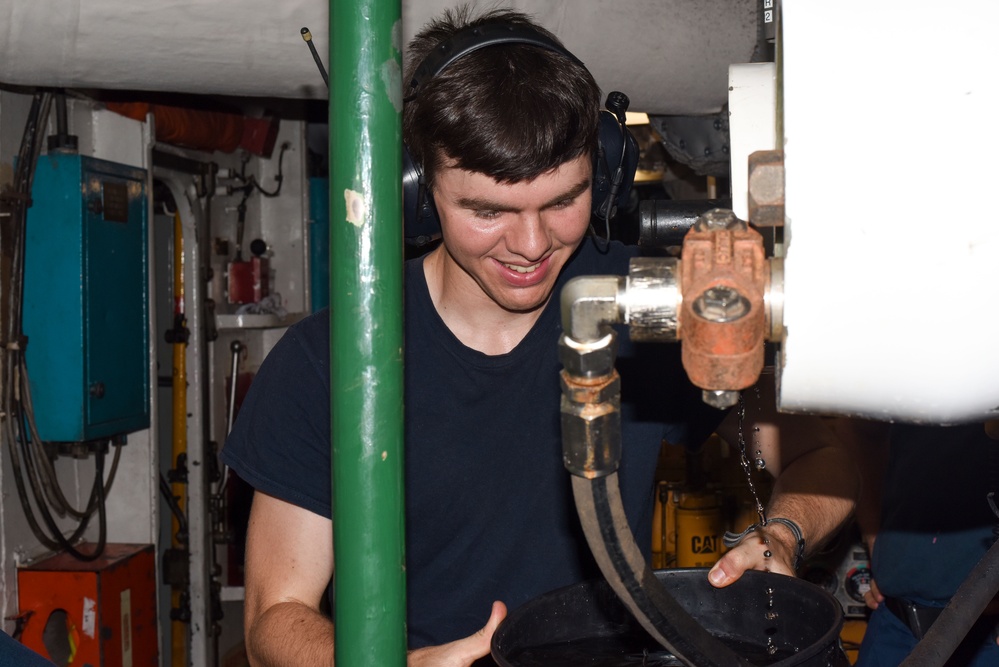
x: 828, y: 608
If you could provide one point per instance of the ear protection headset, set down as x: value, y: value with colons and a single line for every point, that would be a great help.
x: 617, y: 146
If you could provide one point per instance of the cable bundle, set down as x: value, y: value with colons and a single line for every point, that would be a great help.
x: 31, y: 463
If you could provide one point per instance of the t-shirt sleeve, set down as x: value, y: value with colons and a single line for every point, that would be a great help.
x: 280, y: 441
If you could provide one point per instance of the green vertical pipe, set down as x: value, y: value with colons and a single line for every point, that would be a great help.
x: 366, y: 333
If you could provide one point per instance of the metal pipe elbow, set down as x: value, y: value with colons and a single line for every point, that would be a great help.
x: 589, y: 305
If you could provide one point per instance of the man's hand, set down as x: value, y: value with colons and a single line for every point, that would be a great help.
x: 750, y: 554
x: 461, y: 652
x: 873, y: 596
x: 816, y: 483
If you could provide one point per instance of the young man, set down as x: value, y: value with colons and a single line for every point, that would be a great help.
x: 506, y: 137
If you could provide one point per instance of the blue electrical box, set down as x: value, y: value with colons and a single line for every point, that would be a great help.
x: 86, y: 304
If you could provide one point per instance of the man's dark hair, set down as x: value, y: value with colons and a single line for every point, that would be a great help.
x: 510, y: 111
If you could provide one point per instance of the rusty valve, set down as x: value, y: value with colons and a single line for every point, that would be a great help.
x: 722, y: 320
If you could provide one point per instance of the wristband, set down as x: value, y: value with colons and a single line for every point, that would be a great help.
x: 799, y: 555
x: 731, y: 539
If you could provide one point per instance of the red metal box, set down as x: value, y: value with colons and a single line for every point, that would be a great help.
x: 248, y: 280
x: 108, y: 606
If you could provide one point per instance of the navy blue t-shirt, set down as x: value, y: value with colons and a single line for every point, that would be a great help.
x: 936, y: 522
x: 15, y: 654
x: 489, y: 509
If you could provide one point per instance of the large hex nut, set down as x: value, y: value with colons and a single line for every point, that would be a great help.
x: 591, y: 438
x: 587, y: 361
x: 766, y: 188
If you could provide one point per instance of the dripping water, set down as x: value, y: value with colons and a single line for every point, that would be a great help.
x: 770, y: 614
x: 746, y: 468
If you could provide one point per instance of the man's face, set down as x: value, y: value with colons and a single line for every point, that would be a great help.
x: 510, y: 241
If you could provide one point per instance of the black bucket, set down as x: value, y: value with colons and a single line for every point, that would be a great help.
x: 768, y: 619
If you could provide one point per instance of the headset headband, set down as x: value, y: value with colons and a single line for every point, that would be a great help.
x: 472, y: 39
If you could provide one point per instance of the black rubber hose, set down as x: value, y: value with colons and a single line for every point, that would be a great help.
x: 98, y: 488
x: 22, y: 492
x: 598, y: 502
x: 963, y: 610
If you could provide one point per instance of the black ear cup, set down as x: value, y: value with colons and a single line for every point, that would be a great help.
x: 614, y: 138
x: 421, y: 224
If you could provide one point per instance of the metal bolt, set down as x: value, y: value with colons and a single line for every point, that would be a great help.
x: 721, y: 304
x: 718, y: 219
x: 766, y: 188
x: 766, y: 184
x: 720, y: 398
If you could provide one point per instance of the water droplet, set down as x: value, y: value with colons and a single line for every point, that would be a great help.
x: 771, y: 615
x: 760, y: 464
x: 745, y: 464
x: 767, y: 554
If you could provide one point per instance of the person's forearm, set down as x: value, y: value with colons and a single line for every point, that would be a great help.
x: 867, y: 442
x: 818, y: 491
x: 290, y: 634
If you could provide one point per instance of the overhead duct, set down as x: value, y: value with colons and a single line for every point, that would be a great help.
x: 670, y: 56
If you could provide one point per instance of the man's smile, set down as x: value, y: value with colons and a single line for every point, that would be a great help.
x: 522, y: 269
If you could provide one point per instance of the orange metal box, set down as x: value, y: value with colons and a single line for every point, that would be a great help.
x: 109, y: 606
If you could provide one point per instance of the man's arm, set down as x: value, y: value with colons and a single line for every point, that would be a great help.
x: 816, y: 485
x: 289, y: 562
x: 868, y: 443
